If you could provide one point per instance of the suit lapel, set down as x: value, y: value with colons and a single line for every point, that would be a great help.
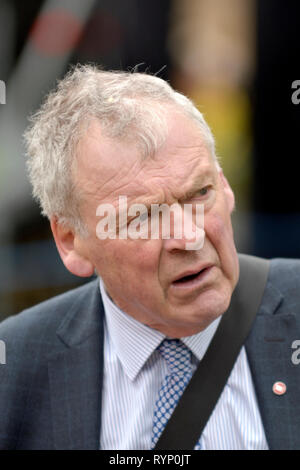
x: 269, y: 353
x: 75, y: 375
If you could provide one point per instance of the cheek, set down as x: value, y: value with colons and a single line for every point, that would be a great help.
x: 128, y: 258
x: 219, y: 233
x: 130, y: 271
x: 217, y: 228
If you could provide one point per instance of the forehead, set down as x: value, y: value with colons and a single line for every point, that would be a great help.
x: 107, y: 168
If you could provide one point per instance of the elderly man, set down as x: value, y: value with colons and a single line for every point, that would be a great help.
x: 91, y: 369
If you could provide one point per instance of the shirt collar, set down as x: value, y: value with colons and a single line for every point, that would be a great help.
x: 134, y: 342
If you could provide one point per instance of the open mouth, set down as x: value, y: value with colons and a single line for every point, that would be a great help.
x: 191, y: 278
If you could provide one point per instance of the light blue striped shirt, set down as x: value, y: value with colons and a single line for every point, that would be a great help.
x: 134, y: 371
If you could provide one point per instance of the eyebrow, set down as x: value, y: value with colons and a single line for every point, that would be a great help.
x: 194, y: 187
x: 197, y: 183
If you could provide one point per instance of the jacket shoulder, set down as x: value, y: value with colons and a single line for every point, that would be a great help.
x: 285, y: 276
x: 29, y: 338
x: 43, y: 317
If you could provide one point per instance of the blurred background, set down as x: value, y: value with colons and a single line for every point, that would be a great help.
x: 237, y: 59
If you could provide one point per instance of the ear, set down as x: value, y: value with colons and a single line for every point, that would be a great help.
x: 228, y: 191
x: 69, y: 247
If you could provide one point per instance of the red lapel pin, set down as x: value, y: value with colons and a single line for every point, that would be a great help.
x: 279, y: 388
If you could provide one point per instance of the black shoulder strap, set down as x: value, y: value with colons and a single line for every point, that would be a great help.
x: 187, y: 422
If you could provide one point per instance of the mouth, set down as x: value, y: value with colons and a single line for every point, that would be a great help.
x: 191, y: 279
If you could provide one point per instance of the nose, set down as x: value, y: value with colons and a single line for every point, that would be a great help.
x: 186, y: 231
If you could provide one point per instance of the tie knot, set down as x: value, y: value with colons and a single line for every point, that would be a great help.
x: 177, y: 356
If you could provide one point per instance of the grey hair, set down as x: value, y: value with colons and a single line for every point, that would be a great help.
x: 128, y: 105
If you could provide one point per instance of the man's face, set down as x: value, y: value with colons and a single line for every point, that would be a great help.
x: 147, y: 278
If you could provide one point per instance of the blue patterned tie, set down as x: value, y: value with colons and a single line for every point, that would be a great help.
x: 178, y: 358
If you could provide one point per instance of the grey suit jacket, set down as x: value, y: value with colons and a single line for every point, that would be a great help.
x: 50, y: 386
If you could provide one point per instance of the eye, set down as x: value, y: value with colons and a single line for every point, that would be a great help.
x: 203, y: 191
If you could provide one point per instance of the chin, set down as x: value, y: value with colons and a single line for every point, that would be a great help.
x: 208, y: 308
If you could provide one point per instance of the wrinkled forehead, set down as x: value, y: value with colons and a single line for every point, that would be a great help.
x: 111, y: 167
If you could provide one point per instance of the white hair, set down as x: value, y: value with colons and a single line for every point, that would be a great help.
x: 128, y: 106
